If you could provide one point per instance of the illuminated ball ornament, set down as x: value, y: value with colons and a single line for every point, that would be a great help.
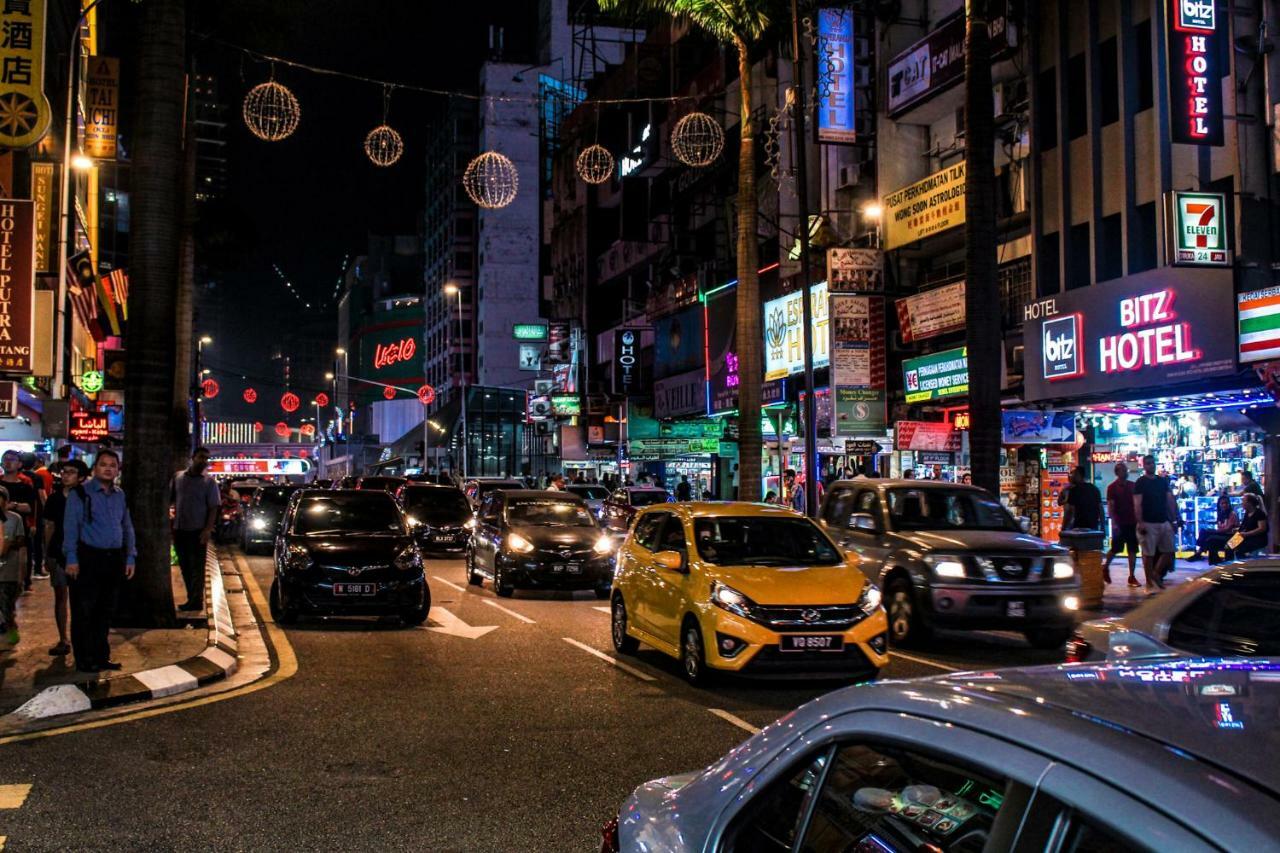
x: 322, y: 399
x: 209, y: 388
x: 271, y: 111
x: 426, y: 395
x: 595, y: 164
x: 389, y: 393
x: 307, y: 430
x: 290, y: 402
x: 257, y: 427
x: 383, y: 146
x: 91, y: 381
x: 282, y: 429
x: 697, y: 140
x: 250, y: 395
x: 491, y: 180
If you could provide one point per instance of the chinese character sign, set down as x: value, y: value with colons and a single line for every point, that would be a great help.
x: 24, y: 110
x: 17, y: 284
x: 102, y: 113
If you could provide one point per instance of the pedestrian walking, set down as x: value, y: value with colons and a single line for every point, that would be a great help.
x: 195, y: 500
x: 1083, y: 502
x: 1124, y: 524
x: 684, y: 491
x: 11, y: 556
x: 794, y: 490
x: 556, y: 484
x: 1156, y: 509
x: 24, y: 499
x: 73, y: 473
x: 100, y: 550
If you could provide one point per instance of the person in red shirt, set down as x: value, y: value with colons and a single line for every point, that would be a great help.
x: 1124, y: 523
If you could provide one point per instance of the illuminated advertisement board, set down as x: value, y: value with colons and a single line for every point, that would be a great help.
x: 1195, y: 75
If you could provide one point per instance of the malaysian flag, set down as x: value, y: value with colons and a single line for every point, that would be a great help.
x: 83, y: 293
x: 118, y: 284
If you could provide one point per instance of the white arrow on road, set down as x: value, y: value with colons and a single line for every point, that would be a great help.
x: 444, y: 622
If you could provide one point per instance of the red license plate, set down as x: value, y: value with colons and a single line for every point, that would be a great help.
x: 811, y: 643
x: 355, y: 589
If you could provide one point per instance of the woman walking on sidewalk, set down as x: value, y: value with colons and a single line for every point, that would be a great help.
x: 72, y: 473
x: 99, y: 546
x: 11, y: 555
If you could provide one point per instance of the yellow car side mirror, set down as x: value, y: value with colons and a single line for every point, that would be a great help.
x: 672, y: 560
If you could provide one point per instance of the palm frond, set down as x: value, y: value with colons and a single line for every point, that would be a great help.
x: 726, y: 20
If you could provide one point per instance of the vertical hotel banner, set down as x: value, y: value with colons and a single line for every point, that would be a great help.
x: 17, y: 284
x: 1195, y: 72
x: 24, y: 110
x: 102, y: 92
x: 926, y: 207
x: 42, y: 194
x: 836, y: 117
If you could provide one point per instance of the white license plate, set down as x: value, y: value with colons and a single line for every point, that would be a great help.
x: 567, y: 568
x: 811, y: 643
x: 1016, y: 610
x: 355, y: 589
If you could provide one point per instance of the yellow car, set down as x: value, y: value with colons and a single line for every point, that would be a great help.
x: 746, y: 588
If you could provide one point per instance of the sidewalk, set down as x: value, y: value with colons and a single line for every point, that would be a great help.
x: 28, y: 668
x: 1118, y: 597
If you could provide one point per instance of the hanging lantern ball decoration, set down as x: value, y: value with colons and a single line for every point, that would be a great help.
x: 303, y: 454
x: 426, y: 395
x: 290, y: 402
x: 257, y: 427
x: 282, y: 429
x: 307, y: 430
x: 322, y: 399
x: 491, y: 180
x: 250, y: 395
x: 697, y: 140
x: 383, y: 146
x: 209, y: 388
x: 389, y: 393
x: 271, y: 111
x: 595, y: 164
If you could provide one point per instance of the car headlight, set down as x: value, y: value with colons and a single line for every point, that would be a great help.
x: 946, y: 565
x: 258, y: 524
x: 517, y: 543
x: 1063, y: 569
x: 604, y: 545
x: 728, y: 598
x: 408, y: 559
x: 470, y: 524
x: 869, y: 601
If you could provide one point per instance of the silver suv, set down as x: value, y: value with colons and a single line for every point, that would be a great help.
x: 950, y: 556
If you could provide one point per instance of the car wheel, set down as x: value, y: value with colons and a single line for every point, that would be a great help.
x: 623, y: 643
x: 415, y: 616
x: 1048, y: 638
x: 280, y: 611
x: 693, y: 655
x: 473, y: 577
x: 501, y: 585
x: 905, y: 625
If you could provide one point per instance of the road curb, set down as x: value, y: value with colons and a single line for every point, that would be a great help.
x: 218, y: 660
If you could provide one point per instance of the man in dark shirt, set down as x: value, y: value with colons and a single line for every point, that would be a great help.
x: 1124, y: 523
x: 72, y: 473
x: 1250, y: 486
x: 1083, y: 503
x: 1156, y: 509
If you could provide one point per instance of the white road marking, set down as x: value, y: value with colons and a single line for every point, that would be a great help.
x: 926, y: 662
x: 602, y: 609
x: 610, y: 659
x: 735, y: 720
x: 520, y: 616
x: 450, y: 583
x: 446, y: 623
x: 13, y: 796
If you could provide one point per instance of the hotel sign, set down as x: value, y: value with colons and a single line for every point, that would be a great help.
x: 102, y: 92
x: 784, y: 332
x: 1146, y: 331
x: 17, y: 284
x: 926, y: 207
x: 23, y: 105
x: 1198, y: 232
x: 1195, y: 78
x: 836, y: 116
x: 42, y: 195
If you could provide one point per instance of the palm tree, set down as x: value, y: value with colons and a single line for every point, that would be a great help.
x: 157, y: 212
x: 740, y: 23
x: 982, y: 290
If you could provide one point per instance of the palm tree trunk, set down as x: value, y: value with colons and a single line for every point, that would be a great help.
x: 157, y: 177
x: 982, y: 290
x: 185, y: 383
x: 749, y: 342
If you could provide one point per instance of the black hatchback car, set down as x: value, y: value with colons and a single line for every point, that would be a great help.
x: 347, y: 553
x: 543, y: 540
x: 440, y: 517
x: 263, y: 516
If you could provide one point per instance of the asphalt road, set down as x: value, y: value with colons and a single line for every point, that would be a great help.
x: 412, y: 739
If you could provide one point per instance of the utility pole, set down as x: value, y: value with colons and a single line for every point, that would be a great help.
x: 802, y: 198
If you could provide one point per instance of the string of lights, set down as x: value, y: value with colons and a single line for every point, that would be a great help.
x: 284, y: 278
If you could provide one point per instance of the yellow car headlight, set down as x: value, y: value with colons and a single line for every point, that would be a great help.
x: 517, y: 543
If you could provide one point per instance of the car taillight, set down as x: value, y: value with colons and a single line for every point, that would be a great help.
x: 1077, y: 649
x: 609, y: 837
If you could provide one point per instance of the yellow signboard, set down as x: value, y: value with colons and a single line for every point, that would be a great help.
x: 925, y: 207
x: 102, y: 96
x: 24, y: 110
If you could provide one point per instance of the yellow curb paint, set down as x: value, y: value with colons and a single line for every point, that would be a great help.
x: 286, y: 667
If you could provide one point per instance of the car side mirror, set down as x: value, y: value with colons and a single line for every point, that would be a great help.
x: 673, y: 560
x: 862, y: 521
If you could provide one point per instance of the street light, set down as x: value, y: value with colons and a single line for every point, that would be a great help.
x: 872, y: 212
x: 451, y: 289
x: 328, y: 377
x: 205, y: 339
x: 340, y: 351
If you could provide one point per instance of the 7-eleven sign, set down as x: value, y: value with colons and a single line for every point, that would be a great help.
x: 1199, y: 230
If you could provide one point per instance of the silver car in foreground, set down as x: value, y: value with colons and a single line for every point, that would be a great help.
x: 1172, y: 755
x: 1233, y: 609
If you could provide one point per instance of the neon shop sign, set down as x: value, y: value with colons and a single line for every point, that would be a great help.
x: 385, y: 355
x: 1195, y: 86
x: 1152, y: 335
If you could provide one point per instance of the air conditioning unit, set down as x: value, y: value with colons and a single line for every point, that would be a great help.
x: 848, y: 177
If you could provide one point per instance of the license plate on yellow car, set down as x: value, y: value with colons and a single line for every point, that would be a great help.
x: 814, y: 643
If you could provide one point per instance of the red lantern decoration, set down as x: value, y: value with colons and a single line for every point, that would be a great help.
x: 307, y: 429
x: 322, y: 399
x: 303, y: 454
x: 389, y: 393
x: 250, y: 395
x: 426, y: 395
x: 282, y: 429
x: 257, y: 426
x: 209, y: 388
x: 290, y: 402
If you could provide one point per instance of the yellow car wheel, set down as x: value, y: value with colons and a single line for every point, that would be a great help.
x: 693, y: 654
x: 623, y: 643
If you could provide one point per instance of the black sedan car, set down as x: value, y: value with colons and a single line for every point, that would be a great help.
x: 263, y: 516
x: 541, y: 540
x: 347, y: 553
x: 440, y: 517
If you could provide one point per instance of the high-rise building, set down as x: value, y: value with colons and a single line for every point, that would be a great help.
x: 211, y: 138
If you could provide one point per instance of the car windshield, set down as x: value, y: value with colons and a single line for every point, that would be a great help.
x: 648, y: 497
x: 386, y: 484
x: 590, y: 493
x: 549, y: 512
x: 945, y: 509
x: 763, y: 541
x: 433, y: 505
x: 348, y: 513
x: 274, y: 496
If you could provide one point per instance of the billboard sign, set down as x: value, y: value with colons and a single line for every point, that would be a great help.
x: 929, y: 206
x: 1195, y: 73
x: 17, y: 285
x: 683, y: 394
x: 940, y: 374
x: 836, y: 115
x: 939, y: 311
x: 855, y: 270
x: 1037, y: 426
x: 721, y: 320
x: 784, y: 332
x: 628, y: 370
x: 678, y: 343
x: 1197, y: 229
x: 925, y: 435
